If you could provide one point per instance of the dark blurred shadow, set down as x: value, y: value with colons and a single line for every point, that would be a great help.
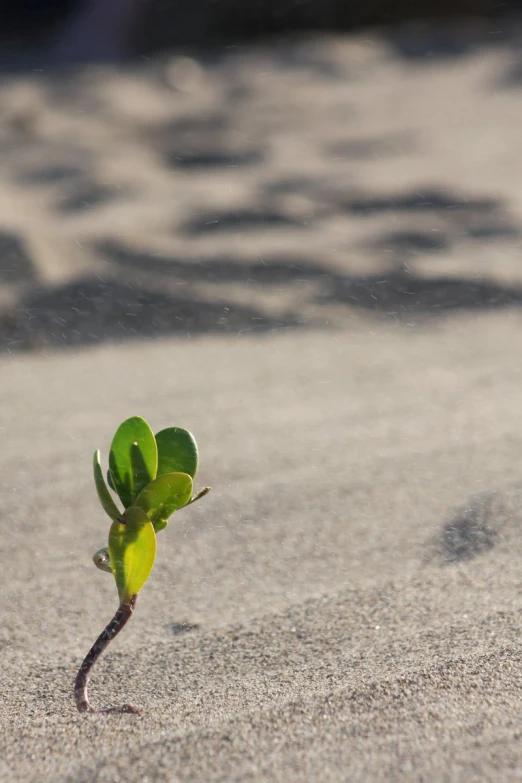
x: 15, y: 263
x: 360, y: 148
x: 406, y: 243
x: 210, y: 22
x: 238, y: 221
x: 428, y: 200
x: 451, y: 216
x: 89, y: 312
x: 204, y: 142
x: 183, y: 627
x: 212, y: 159
x: 276, y: 270
x: 423, y: 40
x: 403, y: 295
x: 158, y: 25
x: 147, y: 295
x: 86, y: 195
x: 475, y: 529
x: 410, y: 243
x: 50, y: 174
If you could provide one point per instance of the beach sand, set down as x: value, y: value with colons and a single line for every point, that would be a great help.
x: 308, y: 254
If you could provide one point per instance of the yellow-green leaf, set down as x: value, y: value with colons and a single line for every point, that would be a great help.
x: 163, y: 496
x: 101, y: 488
x: 132, y: 550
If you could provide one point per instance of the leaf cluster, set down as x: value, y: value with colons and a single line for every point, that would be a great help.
x: 152, y: 475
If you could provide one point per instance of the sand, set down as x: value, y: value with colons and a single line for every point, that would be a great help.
x: 344, y: 342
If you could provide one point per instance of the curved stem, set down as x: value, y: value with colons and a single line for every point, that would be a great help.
x: 81, y: 682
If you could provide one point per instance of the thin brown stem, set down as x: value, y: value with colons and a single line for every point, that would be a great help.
x: 81, y: 682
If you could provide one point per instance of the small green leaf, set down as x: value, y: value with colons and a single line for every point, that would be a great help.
x: 132, y: 550
x: 101, y: 488
x: 177, y: 451
x: 133, y: 459
x: 163, y: 496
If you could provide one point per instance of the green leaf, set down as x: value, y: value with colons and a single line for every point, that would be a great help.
x: 132, y: 550
x: 133, y: 459
x: 101, y: 488
x: 177, y: 451
x: 163, y: 496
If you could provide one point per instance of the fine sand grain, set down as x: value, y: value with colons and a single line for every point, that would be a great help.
x: 344, y: 605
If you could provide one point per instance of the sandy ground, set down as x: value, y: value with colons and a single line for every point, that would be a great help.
x: 308, y: 254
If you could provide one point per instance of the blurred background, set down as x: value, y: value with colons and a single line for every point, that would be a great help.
x: 215, y: 166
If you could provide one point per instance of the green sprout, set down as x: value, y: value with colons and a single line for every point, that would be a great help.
x: 152, y: 476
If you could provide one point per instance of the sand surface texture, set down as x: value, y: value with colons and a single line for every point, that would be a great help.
x: 309, y: 254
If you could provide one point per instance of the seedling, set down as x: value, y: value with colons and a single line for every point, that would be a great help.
x: 152, y: 476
